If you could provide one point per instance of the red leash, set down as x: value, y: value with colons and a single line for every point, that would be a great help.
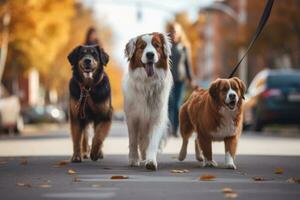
x: 81, y: 105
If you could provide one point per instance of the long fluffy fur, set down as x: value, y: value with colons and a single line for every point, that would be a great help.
x: 146, y: 108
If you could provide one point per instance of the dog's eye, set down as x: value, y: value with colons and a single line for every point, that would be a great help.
x: 143, y: 46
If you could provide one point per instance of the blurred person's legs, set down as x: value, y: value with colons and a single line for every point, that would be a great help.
x: 174, y: 105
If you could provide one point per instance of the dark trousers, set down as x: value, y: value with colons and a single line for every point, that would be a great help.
x: 174, y: 105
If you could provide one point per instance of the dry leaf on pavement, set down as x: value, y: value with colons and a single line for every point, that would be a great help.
x: 231, y: 195
x: 24, y: 162
x: 227, y: 190
x: 71, y: 171
x: 20, y: 184
x: 259, y: 178
x: 62, y: 163
x: 207, y: 177
x: 179, y: 171
x: 96, y: 185
x: 76, y: 179
x: 119, y: 177
x: 294, y: 180
x: 45, y: 186
x: 279, y: 170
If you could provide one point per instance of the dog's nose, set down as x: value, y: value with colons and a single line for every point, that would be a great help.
x: 150, y: 55
x: 232, y: 96
x: 87, y: 61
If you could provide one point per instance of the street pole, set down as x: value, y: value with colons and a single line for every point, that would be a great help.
x: 242, y: 21
x: 4, y: 45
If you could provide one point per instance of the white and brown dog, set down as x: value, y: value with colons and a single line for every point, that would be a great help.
x: 146, y: 89
x: 216, y: 115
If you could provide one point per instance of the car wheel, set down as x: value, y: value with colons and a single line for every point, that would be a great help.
x: 19, y: 126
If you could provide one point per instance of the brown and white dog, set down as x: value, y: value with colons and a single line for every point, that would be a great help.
x: 216, y: 115
x: 146, y: 89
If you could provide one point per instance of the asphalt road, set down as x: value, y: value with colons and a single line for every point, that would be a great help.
x: 28, y: 172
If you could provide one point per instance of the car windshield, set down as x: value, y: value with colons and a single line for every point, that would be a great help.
x: 284, y: 80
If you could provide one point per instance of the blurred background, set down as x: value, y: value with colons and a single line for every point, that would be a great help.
x: 37, y: 35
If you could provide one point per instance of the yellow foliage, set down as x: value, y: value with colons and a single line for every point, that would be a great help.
x: 43, y: 32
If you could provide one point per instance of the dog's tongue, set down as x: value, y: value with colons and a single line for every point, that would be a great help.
x: 149, y: 69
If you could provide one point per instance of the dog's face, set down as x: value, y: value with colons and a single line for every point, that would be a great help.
x: 149, y: 51
x: 228, y: 92
x: 88, y: 61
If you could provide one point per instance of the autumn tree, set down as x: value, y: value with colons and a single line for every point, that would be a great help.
x: 42, y: 33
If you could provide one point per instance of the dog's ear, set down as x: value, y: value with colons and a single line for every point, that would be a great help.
x: 130, y: 48
x: 103, y: 56
x: 242, y: 86
x: 73, y: 56
x: 167, y: 43
x: 214, y: 89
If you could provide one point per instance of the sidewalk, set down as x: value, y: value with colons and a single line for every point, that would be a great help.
x: 56, y: 141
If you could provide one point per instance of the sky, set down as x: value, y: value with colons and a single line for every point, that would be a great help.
x: 121, y: 16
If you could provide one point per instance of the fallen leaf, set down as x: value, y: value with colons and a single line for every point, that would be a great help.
x: 96, y: 185
x: 76, y: 179
x: 62, y: 163
x: 231, y: 195
x: 119, y: 177
x: 207, y: 177
x: 294, y: 180
x: 71, y: 171
x: 179, y: 171
x: 259, y: 178
x: 227, y: 190
x: 45, y: 186
x: 20, y: 184
x: 279, y: 170
x: 24, y: 162
x: 174, y: 157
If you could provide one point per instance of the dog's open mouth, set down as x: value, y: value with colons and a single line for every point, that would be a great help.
x: 88, y: 73
x: 231, y: 104
x: 149, y: 68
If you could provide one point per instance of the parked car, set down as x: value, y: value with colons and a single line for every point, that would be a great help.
x: 273, y: 98
x: 40, y: 114
x: 10, y: 112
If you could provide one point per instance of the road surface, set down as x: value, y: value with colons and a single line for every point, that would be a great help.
x: 32, y: 167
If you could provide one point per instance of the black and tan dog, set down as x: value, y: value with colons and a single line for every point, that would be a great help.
x: 90, y: 100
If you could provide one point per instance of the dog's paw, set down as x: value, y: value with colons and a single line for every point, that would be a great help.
x: 200, y: 158
x: 85, y: 155
x: 210, y: 163
x: 182, y: 155
x: 229, y: 163
x: 76, y: 159
x: 151, y: 165
x: 230, y: 166
x: 134, y: 163
x: 95, y: 155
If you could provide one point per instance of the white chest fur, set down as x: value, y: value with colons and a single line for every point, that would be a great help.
x: 227, y: 127
x: 147, y: 97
